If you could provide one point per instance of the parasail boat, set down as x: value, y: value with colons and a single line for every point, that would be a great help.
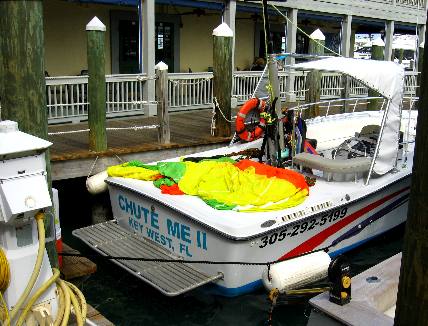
x: 235, y: 219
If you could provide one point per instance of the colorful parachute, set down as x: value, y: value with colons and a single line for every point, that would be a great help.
x: 243, y: 186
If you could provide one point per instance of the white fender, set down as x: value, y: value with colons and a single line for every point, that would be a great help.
x: 95, y: 184
x: 294, y: 273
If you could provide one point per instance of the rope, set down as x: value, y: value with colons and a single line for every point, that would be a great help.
x: 4, y: 312
x: 119, y: 159
x: 213, y: 119
x: 266, y: 36
x: 259, y: 82
x: 92, y: 167
x: 184, y: 261
x: 135, y: 128
x: 67, y: 132
x: 125, y: 102
x: 222, y: 114
x: 186, y: 82
x: 301, y: 30
x: 144, y: 78
x: 216, y: 105
x: 4, y: 271
x: 4, y: 283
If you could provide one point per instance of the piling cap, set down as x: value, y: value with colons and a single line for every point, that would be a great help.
x: 223, y: 30
x: 161, y: 66
x: 317, y: 35
x: 8, y: 126
x: 96, y: 25
x: 14, y: 143
x: 378, y: 42
x: 422, y: 45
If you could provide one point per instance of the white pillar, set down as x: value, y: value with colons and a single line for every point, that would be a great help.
x: 148, y: 64
x: 291, y: 48
x: 229, y: 19
x: 421, y: 33
x: 345, y: 42
x: 389, y: 35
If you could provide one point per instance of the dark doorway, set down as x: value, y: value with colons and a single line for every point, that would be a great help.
x: 128, y: 47
x: 164, y: 44
x: 278, y: 41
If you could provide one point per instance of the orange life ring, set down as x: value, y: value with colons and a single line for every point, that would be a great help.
x: 242, y: 130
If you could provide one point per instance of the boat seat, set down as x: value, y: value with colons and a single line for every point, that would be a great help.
x: 355, y: 166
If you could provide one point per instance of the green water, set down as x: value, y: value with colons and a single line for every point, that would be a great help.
x: 126, y: 300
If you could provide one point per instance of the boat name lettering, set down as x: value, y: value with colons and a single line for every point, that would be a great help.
x: 180, y: 231
x: 296, y: 229
x: 139, y: 211
x: 173, y: 235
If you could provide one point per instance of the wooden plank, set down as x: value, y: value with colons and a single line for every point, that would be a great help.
x: 73, y: 267
x: 94, y: 316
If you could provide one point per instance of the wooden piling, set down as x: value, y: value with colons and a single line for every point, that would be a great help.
x: 23, y: 90
x: 96, y: 85
x: 412, y: 297
x: 162, y: 100
x: 222, y: 69
x: 420, y: 65
x: 313, y: 79
x: 378, y: 47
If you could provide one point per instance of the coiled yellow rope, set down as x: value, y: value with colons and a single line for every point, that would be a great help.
x: 4, y: 272
x: 4, y: 283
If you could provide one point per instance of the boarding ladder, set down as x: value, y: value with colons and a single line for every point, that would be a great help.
x: 170, y: 278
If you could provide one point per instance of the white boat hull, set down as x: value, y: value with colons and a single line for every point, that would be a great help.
x: 350, y: 225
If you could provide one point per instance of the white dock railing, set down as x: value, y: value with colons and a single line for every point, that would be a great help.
x: 67, y: 97
x: 411, y: 3
x: 190, y: 90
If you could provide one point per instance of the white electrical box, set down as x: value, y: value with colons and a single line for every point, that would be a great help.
x: 23, y: 186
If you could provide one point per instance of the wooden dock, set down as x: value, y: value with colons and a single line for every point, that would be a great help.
x: 94, y: 316
x: 73, y: 267
x: 374, y: 294
x: 71, y: 158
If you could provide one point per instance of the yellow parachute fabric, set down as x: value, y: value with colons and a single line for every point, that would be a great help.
x: 228, y: 184
x: 134, y: 172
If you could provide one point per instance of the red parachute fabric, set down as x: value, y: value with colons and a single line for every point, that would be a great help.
x: 171, y: 190
x: 297, y: 179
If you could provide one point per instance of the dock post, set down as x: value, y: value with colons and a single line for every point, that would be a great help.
x: 95, y: 31
x: 23, y: 89
x: 313, y: 79
x: 162, y: 100
x: 291, y: 39
x: 346, y: 41
x: 378, y: 47
x: 222, y: 69
x: 420, y: 65
x: 412, y: 297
